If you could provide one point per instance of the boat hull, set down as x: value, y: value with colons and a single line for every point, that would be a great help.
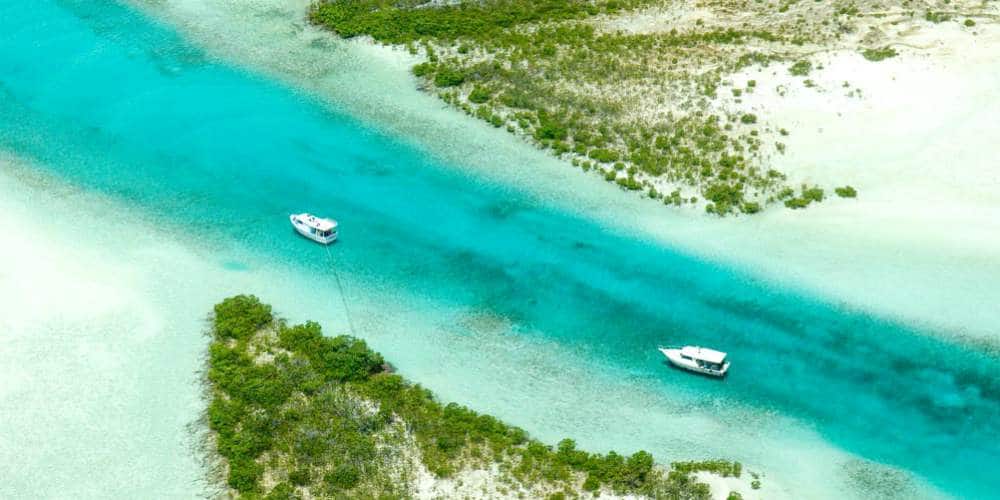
x: 674, y: 357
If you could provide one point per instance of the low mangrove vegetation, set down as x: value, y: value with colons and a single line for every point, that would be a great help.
x: 589, y: 81
x: 879, y: 54
x: 296, y: 414
x: 846, y: 192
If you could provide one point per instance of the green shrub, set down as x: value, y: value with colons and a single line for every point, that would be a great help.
x: 240, y: 317
x: 812, y: 194
x: 748, y: 118
x: 629, y: 183
x: 550, y: 130
x: 244, y: 474
x: 517, y: 99
x: 479, y: 94
x: 969, y: 23
x: 674, y: 198
x: 343, y: 477
x: 723, y: 197
x: 299, y: 477
x: 423, y: 69
x: 603, y: 155
x: 846, y: 192
x: 396, y: 23
x: 879, y: 54
x: 282, y: 491
x: 936, y: 17
x: 339, y: 359
x: 223, y: 415
x: 448, y: 76
x: 724, y: 468
x: 304, y: 338
x: 800, y: 68
x: 346, y: 359
x: 796, y: 203
x: 484, y: 112
x: 636, y: 471
x: 750, y: 207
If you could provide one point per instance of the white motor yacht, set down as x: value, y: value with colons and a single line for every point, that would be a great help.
x: 697, y: 359
x: 315, y: 228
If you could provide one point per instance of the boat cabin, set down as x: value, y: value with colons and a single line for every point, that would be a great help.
x: 697, y: 359
x: 703, y: 357
x: 315, y: 228
x: 320, y: 227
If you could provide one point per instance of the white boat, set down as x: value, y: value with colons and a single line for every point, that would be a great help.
x: 315, y: 228
x: 697, y: 359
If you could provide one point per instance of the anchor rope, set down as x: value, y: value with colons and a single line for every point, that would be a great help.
x: 343, y: 298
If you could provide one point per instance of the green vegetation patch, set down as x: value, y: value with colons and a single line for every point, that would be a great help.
x: 323, y: 417
x: 937, y: 17
x: 479, y: 95
x: 807, y: 196
x: 800, y: 68
x: 879, y: 54
x: 410, y: 20
x: 846, y: 192
x: 563, y: 74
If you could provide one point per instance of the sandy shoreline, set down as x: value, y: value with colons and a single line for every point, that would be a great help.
x: 917, y: 146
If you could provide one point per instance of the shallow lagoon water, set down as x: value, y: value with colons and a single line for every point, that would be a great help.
x: 890, y: 252
x: 98, y: 96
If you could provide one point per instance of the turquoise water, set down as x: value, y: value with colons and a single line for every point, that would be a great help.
x: 107, y: 100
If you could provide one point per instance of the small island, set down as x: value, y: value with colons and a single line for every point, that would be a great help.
x: 295, y: 414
